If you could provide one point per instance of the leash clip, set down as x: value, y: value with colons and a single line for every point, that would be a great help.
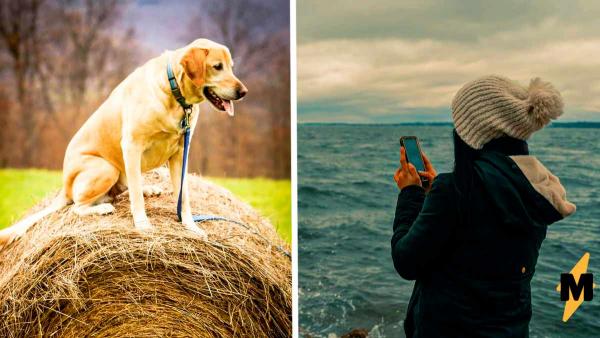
x: 185, y: 123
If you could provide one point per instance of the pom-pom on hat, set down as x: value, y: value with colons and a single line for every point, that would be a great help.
x: 494, y: 106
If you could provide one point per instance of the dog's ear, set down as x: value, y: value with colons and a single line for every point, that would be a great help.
x: 193, y: 63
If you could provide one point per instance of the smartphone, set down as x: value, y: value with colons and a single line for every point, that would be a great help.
x: 413, y: 154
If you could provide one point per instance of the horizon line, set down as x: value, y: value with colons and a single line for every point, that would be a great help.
x: 432, y: 122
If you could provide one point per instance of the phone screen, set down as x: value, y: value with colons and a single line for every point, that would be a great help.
x: 413, y: 154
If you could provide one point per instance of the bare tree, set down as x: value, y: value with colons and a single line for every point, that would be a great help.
x: 18, y: 28
x: 251, y: 144
x: 64, y: 56
x: 85, y: 24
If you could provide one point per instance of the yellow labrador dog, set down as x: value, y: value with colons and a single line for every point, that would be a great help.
x: 138, y: 128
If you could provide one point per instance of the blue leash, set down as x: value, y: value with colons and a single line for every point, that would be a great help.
x: 185, y: 124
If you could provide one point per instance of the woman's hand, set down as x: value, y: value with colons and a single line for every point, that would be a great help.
x: 429, y: 172
x: 407, y: 173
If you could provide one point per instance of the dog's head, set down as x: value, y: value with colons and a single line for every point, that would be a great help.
x: 209, y: 66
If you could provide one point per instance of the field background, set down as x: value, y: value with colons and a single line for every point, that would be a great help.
x: 59, y: 60
x: 20, y: 189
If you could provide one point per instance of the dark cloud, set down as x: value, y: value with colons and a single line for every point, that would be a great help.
x: 404, y: 60
x: 469, y: 20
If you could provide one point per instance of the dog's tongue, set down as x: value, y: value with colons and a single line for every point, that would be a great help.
x: 228, y: 105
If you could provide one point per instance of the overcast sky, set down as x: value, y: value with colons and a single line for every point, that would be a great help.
x: 164, y: 24
x: 398, y: 61
x: 159, y: 24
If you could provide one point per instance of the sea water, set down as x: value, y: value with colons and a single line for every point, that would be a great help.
x: 347, y: 197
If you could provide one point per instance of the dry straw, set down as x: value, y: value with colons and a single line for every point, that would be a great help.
x: 97, y: 276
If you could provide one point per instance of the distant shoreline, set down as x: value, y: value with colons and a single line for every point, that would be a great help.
x: 578, y: 124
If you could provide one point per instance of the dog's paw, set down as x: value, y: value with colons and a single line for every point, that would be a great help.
x: 196, y: 229
x: 104, y: 209
x: 152, y: 190
x: 143, y: 224
x: 99, y: 209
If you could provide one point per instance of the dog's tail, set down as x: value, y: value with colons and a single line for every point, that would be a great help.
x: 18, y: 229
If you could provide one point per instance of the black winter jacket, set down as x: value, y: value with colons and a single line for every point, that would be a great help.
x: 473, y: 280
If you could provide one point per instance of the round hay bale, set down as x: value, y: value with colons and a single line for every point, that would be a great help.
x: 72, y: 276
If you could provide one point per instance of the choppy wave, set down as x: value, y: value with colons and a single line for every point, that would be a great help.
x: 346, y: 204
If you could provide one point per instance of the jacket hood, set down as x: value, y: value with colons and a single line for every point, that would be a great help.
x: 523, y: 189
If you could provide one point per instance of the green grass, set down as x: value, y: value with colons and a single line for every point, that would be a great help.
x: 20, y: 189
x: 271, y: 197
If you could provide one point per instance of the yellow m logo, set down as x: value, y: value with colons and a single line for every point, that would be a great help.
x: 576, y: 286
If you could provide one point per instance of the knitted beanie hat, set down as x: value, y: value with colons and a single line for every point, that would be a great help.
x: 494, y: 106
